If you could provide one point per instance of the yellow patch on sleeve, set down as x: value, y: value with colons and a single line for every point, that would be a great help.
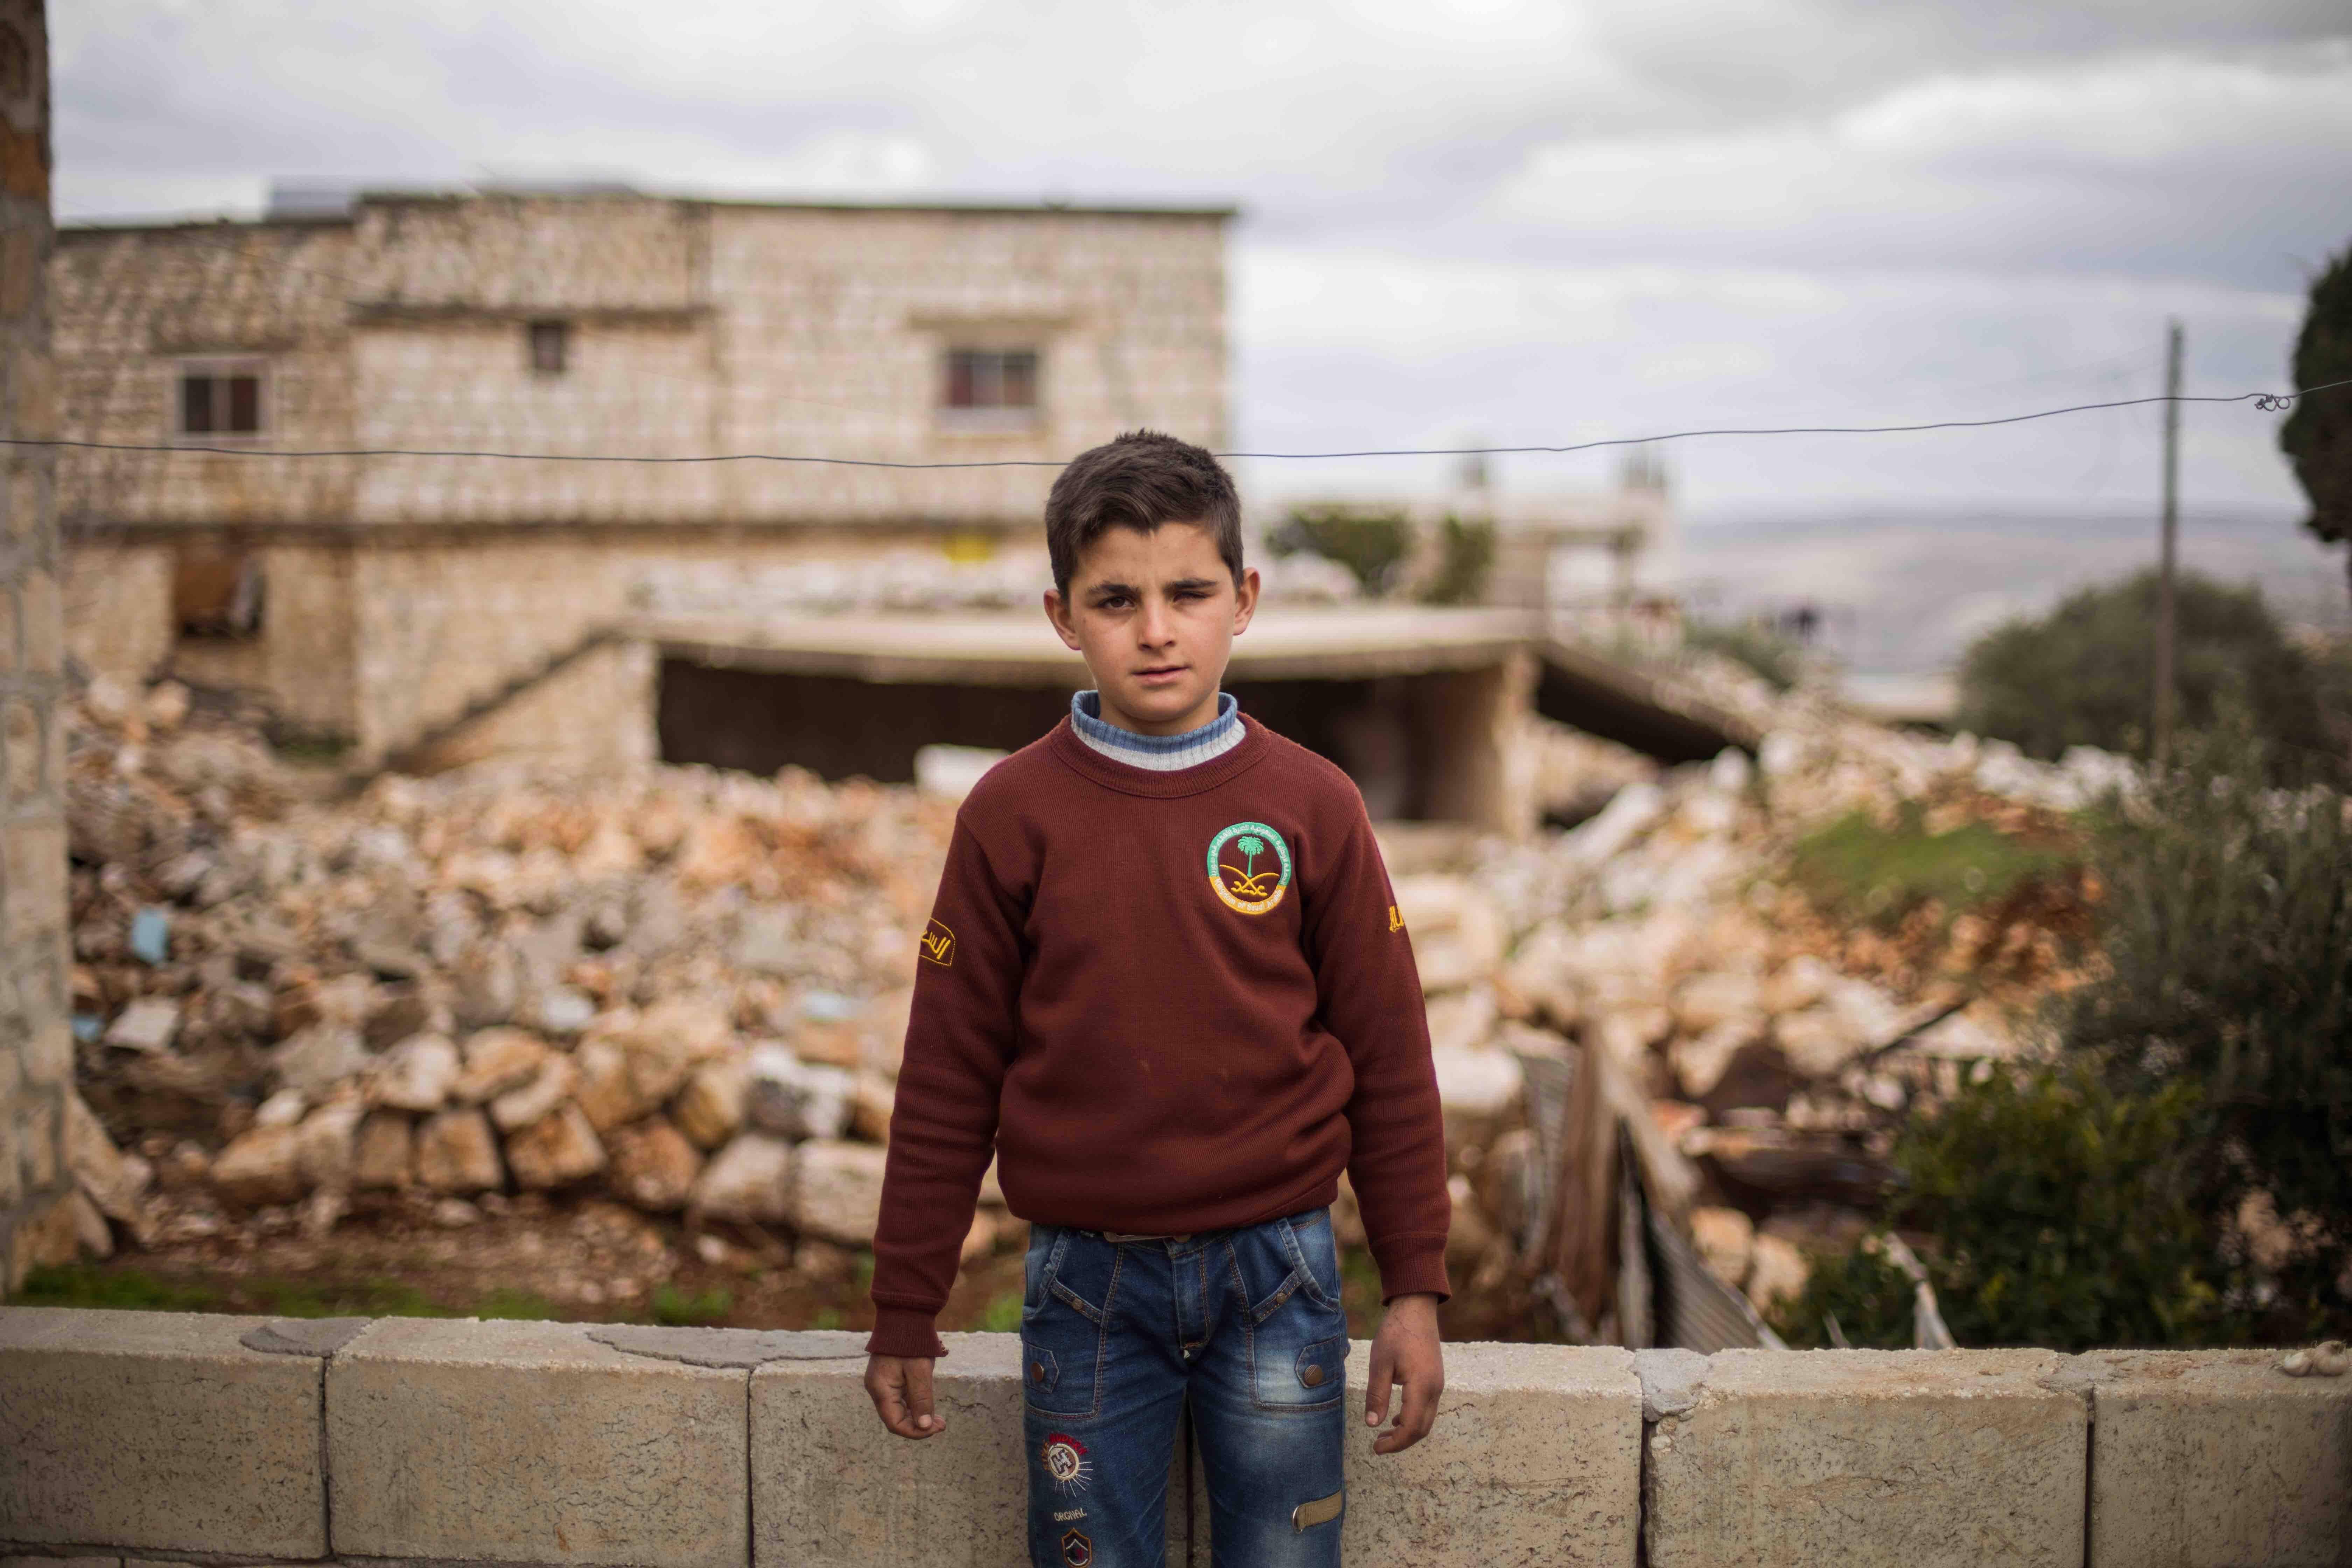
x: 939, y: 944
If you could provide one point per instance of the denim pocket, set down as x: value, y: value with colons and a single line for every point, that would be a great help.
x: 1315, y: 1252
x: 1067, y: 1298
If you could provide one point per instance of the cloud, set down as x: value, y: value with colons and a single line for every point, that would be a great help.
x: 2151, y: 164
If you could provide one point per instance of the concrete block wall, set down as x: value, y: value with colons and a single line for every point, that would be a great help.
x: 146, y: 1437
x: 39, y: 1210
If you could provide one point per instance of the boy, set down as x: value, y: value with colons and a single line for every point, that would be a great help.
x: 1166, y: 981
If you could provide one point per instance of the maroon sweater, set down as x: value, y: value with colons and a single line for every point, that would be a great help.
x: 1170, y: 1002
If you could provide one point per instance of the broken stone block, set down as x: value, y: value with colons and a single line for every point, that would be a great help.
x: 557, y: 1149
x: 653, y: 1165
x: 319, y: 1058
x: 417, y: 1074
x: 794, y: 1099
x: 1798, y: 985
x: 549, y: 1087
x: 149, y: 1024
x: 751, y: 1179
x: 497, y: 1061
x: 1699, y: 1064
x: 1717, y: 997
x: 263, y: 1166
x: 488, y: 985
x: 381, y: 1150
x: 709, y: 1108
x: 1726, y: 1239
x: 612, y: 1089
x: 114, y: 1182
x: 1817, y: 1042
x: 283, y: 1108
x: 1777, y: 1272
x: 456, y: 1152
x: 326, y: 1144
x: 837, y: 1191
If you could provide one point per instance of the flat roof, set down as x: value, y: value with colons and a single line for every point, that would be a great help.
x: 1282, y: 643
x: 326, y: 218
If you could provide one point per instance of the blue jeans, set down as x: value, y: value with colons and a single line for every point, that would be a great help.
x: 1117, y: 1334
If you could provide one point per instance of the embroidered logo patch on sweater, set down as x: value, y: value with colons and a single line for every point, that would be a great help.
x: 1249, y: 866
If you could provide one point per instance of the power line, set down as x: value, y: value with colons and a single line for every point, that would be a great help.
x: 2269, y: 402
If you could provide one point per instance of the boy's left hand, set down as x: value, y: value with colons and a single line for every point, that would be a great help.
x: 1405, y: 1350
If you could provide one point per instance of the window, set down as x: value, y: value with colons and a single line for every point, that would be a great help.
x: 992, y: 379
x: 550, y: 345
x: 220, y: 399
x: 217, y: 591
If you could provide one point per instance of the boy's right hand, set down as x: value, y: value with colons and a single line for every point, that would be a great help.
x: 900, y: 1387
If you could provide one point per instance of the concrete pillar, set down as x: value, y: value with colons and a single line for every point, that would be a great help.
x: 1471, y: 727
x: 35, y: 1047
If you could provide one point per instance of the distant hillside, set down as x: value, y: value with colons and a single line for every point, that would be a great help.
x: 1907, y: 591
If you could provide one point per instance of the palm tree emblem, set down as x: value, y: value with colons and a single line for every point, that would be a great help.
x: 1251, y: 846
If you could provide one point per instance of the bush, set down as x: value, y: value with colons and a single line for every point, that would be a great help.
x: 2227, y: 931
x: 1772, y: 657
x: 2084, y: 674
x: 1371, y: 545
x: 2317, y: 435
x: 1466, y: 555
x: 2061, y: 1215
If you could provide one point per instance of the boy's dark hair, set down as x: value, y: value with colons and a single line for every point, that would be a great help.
x: 1140, y: 480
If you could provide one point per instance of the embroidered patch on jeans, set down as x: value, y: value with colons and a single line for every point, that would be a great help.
x: 1076, y: 1550
x: 1065, y: 1459
x: 1322, y: 1511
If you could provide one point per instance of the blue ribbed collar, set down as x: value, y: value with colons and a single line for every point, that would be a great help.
x: 1086, y: 718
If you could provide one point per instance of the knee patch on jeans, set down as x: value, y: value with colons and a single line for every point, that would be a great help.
x: 1322, y: 1511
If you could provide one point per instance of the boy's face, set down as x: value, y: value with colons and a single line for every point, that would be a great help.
x: 1155, y: 615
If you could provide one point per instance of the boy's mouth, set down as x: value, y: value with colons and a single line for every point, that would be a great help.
x: 1160, y: 672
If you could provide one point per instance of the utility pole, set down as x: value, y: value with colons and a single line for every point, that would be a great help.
x: 2162, y: 747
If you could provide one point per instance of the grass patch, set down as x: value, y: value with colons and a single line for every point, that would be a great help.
x: 1002, y: 1315
x: 79, y: 1285
x: 674, y: 1308
x: 1857, y: 871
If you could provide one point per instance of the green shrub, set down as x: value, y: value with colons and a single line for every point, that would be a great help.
x: 2317, y: 435
x: 2083, y: 675
x: 2061, y: 1213
x: 1774, y: 658
x: 1372, y: 545
x: 2227, y: 929
x: 1867, y: 1297
x: 1466, y: 558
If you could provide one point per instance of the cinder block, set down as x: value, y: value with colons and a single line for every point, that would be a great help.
x: 2210, y: 1458
x: 513, y: 1442
x: 157, y: 1430
x: 1536, y: 1458
x: 831, y: 1488
x: 1907, y: 1458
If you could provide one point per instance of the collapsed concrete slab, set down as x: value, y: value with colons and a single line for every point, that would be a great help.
x: 525, y: 1442
x: 100, y: 1413
x: 1908, y: 1458
x: 2207, y: 1458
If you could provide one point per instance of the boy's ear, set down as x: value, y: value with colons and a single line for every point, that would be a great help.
x: 1058, y: 613
x: 1245, y: 601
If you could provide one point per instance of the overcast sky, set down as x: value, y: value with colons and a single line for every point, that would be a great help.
x: 1524, y: 221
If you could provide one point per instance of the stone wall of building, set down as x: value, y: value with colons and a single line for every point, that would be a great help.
x: 692, y: 328
x: 38, y: 1212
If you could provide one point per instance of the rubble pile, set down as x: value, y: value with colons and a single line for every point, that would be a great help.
x: 1777, y: 1050
x: 686, y: 987
x: 684, y: 991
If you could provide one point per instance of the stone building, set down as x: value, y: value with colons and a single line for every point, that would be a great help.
x: 408, y: 606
